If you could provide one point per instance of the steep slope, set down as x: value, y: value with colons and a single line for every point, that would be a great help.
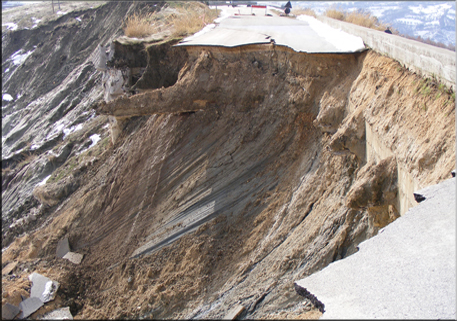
x: 49, y: 72
x: 254, y: 167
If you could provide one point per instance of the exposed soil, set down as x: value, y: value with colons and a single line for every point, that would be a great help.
x: 246, y: 171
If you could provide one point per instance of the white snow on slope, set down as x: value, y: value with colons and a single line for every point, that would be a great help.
x: 43, y: 181
x: 18, y: 57
x: 10, y: 25
x: 7, y: 97
x: 72, y: 129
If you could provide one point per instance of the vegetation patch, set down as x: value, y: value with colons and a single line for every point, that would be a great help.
x: 305, y: 11
x: 182, y: 18
x: 357, y: 17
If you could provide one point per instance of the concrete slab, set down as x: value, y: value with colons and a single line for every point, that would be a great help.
x: 9, y: 311
x: 42, y: 287
x: 307, y: 35
x: 59, y: 314
x: 63, y: 247
x: 407, y: 271
x: 29, y: 306
x: 73, y: 257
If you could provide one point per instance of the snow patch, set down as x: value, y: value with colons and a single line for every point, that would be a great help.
x: 340, y: 39
x: 48, y: 290
x: 61, y: 12
x: 7, y: 97
x: 10, y: 25
x: 224, y: 14
x: 95, y: 139
x: 72, y: 129
x: 79, y: 19
x: 18, y: 58
x: 35, y: 22
x: 43, y: 181
x: 55, y: 131
x: 34, y: 146
x: 7, y: 70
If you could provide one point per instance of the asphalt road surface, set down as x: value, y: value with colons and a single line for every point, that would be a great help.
x: 243, y: 26
x: 407, y: 271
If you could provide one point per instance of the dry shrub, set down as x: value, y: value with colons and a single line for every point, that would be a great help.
x: 334, y: 14
x: 306, y: 11
x: 183, y: 18
x: 191, y: 17
x: 357, y: 17
x: 140, y: 26
x: 365, y: 19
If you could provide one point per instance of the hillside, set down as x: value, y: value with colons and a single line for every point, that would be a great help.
x: 216, y: 178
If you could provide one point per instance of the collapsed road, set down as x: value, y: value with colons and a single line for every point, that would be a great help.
x: 229, y: 172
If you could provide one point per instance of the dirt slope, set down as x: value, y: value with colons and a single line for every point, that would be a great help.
x: 53, y: 86
x: 253, y: 170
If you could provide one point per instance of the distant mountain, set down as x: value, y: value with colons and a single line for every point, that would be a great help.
x: 427, y: 19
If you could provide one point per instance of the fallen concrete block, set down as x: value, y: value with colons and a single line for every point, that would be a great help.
x: 9, y: 311
x: 42, y: 287
x: 63, y: 247
x: 59, y: 314
x: 234, y: 313
x: 29, y: 306
x: 8, y: 268
x: 73, y: 257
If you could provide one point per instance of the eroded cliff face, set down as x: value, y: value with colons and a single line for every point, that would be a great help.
x: 252, y: 168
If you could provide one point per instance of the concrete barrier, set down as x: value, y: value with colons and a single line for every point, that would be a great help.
x: 415, y: 55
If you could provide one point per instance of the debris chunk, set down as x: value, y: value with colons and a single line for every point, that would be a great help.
x: 28, y: 306
x: 58, y: 314
x: 73, y: 257
x: 63, y: 247
x: 9, y: 311
x: 42, y: 287
x: 418, y: 197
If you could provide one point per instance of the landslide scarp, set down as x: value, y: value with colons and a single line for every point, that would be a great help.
x: 255, y: 166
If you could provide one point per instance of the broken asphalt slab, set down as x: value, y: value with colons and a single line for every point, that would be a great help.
x: 407, y: 271
x: 63, y: 252
x: 9, y: 311
x: 63, y: 247
x: 305, y: 34
x: 42, y: 287
x: 73, y: 257
x: 59, y: 314
x: 29, y: 306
